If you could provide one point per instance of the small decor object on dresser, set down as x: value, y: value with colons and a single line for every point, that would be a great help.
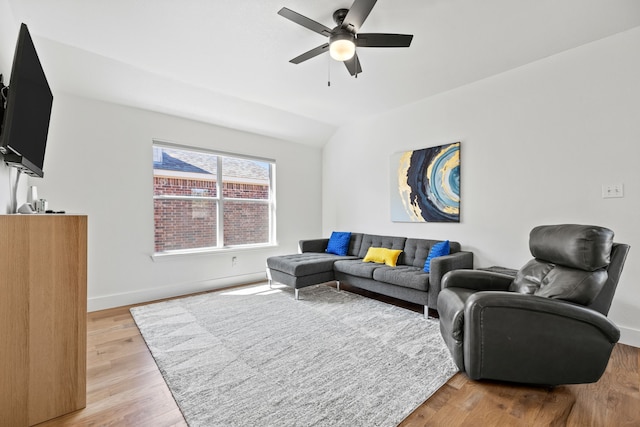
x: 425, y: 185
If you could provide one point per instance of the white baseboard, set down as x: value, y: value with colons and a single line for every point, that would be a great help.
x: 118, y: 300
x: 630, y: 337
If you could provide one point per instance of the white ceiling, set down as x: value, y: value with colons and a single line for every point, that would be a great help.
x: 226, y: 61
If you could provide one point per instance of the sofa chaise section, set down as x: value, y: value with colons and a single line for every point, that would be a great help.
x: 302, y: 270
x: 311, y: 266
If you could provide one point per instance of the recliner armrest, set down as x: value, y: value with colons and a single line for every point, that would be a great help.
x: 313, y: 245
x: 557, y: 311
x: 478, y: 280
x: 440, y: 266
x: 536, y: 340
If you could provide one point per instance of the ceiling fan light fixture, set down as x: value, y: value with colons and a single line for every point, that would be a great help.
x: 342, y: 45
x: 345, y: 36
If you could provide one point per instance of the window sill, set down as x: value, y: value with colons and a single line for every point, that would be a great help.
x: 189, y: 253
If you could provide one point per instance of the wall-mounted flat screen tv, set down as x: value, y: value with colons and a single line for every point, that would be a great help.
x: 27, y: 103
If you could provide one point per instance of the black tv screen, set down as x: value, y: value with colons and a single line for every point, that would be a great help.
x: 28, y: 110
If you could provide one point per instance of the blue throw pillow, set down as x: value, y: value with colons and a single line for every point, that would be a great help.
x: 339, y: 243
x: 439, y: 249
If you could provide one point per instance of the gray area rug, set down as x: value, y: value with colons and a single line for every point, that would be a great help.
x: 254, y: 356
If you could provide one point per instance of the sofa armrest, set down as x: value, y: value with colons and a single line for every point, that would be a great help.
x: 313, y: 245
x: 442, y: 265
x: 478, y: 280
x: 572, y: 343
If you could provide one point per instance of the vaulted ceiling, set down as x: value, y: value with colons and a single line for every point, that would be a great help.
x: 226, y: 61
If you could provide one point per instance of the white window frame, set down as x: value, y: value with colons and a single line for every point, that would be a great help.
x: 220, y: 200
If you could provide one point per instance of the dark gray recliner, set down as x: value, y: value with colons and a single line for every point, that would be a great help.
x: 546, y: 326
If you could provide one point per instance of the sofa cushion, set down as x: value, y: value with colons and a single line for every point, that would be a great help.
x: 339, y: 243
x: 382, y: 256
x: 403, y: 275
x: 354, y: 244
x: 389, y: 242
x: 356, y: 268
x: 303, y: 264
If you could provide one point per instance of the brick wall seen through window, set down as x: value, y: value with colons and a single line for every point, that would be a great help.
x: 206, y: 200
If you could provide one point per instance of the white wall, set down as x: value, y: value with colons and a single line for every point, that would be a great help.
x: 537, y: 144
x: 99, y: 162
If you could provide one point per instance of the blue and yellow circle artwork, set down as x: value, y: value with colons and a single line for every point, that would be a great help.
x: 429, y: 183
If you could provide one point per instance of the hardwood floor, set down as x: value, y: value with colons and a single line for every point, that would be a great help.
x: 125, y: 388
x: 612, y: 401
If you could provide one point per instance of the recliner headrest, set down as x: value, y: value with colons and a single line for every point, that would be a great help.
x: 586, y: 247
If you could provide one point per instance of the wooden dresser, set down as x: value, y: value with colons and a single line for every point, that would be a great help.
x: 43, y: 312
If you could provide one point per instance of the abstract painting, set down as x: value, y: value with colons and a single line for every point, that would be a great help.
x: 425, y: 185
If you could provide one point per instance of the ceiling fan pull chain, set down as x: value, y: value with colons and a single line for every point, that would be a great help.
x: 329, y: 71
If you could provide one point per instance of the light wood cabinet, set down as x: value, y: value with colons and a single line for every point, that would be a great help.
x: 43, y: 311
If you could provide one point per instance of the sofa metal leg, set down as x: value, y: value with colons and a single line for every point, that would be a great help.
x: 296, y: 293
x: 426, y: 313
x: 269, y: 277
x: 338, y: 285
x: 430, y: 313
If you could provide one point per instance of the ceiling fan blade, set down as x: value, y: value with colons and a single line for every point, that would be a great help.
x: 305, y: 22
x: 359, y: 11
x: 310, y: 54
x: 383, y: 40
x: 353, y: 65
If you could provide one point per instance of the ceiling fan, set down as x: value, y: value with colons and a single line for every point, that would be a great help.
x: 344, y: 38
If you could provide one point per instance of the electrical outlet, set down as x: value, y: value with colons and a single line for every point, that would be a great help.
x: 612, y: 190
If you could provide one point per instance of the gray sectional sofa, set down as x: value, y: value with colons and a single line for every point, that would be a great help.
x: 406, y: 281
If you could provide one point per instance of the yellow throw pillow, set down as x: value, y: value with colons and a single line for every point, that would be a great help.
x: 374, y: 255
x: 392, y: 257
x: 382, y: 255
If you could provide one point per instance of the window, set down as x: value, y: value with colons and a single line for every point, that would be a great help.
x: 206, y: 200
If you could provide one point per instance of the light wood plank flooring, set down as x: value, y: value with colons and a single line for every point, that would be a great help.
x: 125, y: 388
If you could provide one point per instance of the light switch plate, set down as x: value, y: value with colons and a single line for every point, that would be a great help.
x: 612, y: 190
